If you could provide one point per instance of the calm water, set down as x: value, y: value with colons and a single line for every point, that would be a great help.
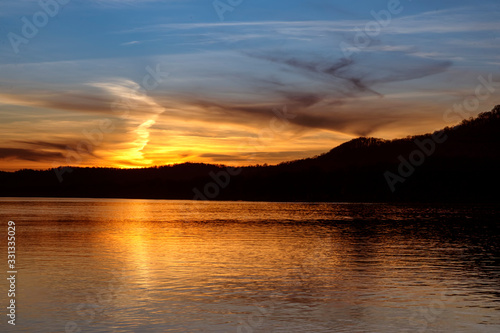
x: 89, y: 265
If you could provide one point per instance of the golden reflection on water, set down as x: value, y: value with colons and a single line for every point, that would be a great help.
x: 179, y: 266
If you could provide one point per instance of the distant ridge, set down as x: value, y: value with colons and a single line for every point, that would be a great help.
x: 463, y: 166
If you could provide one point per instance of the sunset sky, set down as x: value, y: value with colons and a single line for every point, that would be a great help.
x: 237, y: 82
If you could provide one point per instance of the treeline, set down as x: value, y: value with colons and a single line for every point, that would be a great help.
x: 460, y: 163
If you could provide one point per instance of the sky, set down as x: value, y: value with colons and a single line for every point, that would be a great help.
x: 138, y: 83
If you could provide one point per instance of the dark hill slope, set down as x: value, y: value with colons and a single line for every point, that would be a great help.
x: 462, y: 167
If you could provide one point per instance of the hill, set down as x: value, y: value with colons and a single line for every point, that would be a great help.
x: 456, y: 164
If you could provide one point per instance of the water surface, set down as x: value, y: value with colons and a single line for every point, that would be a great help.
x: 106, y: 265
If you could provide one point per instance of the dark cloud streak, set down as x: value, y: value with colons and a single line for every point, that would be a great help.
x: 29, y: 154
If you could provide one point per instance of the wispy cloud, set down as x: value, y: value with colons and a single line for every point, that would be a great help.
x: 457, y: 20
x: 134, y: 42
x: 130, y: 94
x: 30, y: 154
